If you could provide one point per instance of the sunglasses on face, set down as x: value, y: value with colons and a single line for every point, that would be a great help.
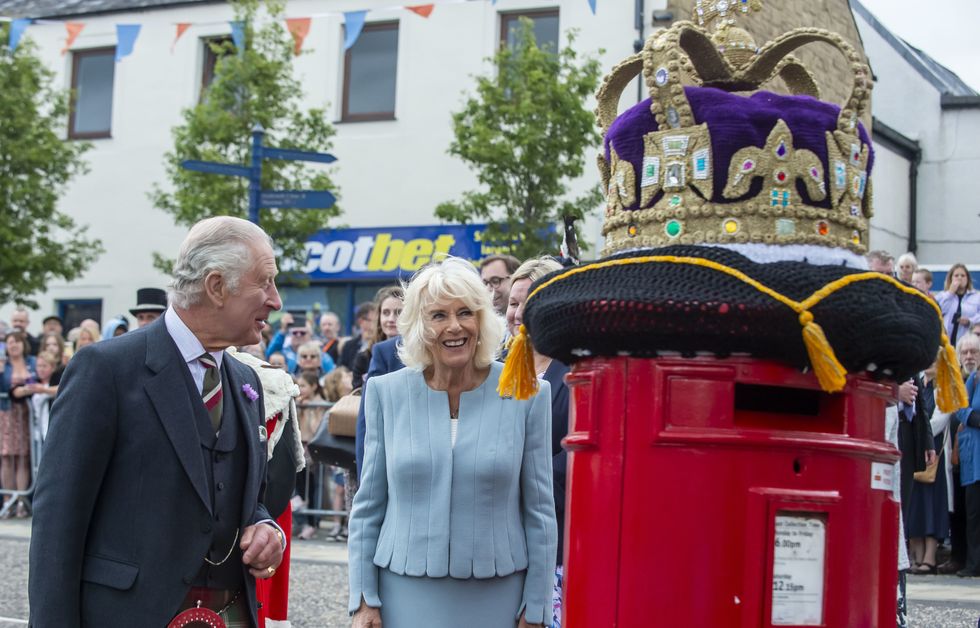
x: 298, y: 332
x: 308, y: 356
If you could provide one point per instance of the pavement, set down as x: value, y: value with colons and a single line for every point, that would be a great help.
x: 318, y: 586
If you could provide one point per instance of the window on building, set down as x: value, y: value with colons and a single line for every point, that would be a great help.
x: 214, y: 49
x: 370, y: 69
x: 74, y: 311
x: 545, y: 28
x: 91, y: 84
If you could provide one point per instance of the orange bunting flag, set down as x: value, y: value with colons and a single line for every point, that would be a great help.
x: 425, y: 10
x: 73, y: 29
x: 299, y: 28
x: 181, y: 28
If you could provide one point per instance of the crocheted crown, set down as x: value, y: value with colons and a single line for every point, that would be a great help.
x: 702, y: 164
x: 735, y: 223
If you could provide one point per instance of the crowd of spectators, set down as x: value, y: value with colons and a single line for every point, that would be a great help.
x: 940, y: 519
x: 941, y: 510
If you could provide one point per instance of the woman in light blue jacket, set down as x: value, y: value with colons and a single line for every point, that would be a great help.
x: 454, y: 523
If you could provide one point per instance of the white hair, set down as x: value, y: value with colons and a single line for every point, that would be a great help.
x: 451, y: 278
x: 221, y: 244
x: 907, y: 257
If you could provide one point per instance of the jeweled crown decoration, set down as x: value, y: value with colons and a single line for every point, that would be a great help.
x: 701, y: 163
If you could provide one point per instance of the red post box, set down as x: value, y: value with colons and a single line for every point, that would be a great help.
x: 735, y: 492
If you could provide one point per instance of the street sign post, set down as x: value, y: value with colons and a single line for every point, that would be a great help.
x: 259, y: 198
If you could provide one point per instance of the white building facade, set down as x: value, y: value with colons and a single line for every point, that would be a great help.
x: 392, y: 171
x: 927, y: 149
x: 393, y: 168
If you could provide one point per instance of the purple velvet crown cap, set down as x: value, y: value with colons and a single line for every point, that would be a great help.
x: 734, y: 122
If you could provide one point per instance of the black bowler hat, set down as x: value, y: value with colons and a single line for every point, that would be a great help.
x: 53, y: 317
x: 149, y: 300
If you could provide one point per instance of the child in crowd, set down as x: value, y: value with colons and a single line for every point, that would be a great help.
x: 311, y: 412
x: 278, y: 360
x: 48, y: 369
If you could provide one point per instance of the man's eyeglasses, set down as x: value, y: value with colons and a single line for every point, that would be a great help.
x: 298, y: 332
x: 308, y: 356
x: 494, y: 282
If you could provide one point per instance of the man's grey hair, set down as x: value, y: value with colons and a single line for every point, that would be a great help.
x: 221, y: 244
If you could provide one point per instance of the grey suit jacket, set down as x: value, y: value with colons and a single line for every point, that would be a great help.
x: 122, y: 510
x: 479, y: 510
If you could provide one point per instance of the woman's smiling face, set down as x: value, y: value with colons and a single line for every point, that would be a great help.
x: 453, y: 330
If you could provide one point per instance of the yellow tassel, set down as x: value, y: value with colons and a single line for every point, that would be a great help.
x: 518, y: 379
x: 950, y: 391
x: 830, y: 373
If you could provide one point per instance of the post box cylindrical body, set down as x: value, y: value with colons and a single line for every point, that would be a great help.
x: 726, y: 492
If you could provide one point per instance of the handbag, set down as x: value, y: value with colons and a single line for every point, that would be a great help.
x: 342, y: 418
x: 338, y: 451
x: 928, y: 476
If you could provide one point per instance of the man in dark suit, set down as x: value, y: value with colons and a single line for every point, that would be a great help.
x: 149, y: 498
x: 384, y: 359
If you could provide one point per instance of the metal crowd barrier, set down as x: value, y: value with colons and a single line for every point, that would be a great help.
x: 36, y: 441
x: 315, y: 505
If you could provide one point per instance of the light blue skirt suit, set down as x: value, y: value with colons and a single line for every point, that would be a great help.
x: 444, y: 536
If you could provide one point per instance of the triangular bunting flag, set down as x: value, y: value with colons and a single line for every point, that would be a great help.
x: 238, y: 35
x: 353, y: 23
x: 126, y: 35
x: 181, y: 28
x: 73, y: 29
x: 425, y: 10
x: 592, y: 6
x: 17, y: 28
x: 299, y: 28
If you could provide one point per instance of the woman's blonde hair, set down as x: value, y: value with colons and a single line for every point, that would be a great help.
x: 446, y: 280
x: 535, y: 269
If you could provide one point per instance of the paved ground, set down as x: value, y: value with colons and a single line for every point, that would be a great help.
x: 318, y: 587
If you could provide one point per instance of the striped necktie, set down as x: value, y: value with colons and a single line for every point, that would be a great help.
x: 212, y: 389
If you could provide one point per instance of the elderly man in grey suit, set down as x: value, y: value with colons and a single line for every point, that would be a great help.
x: 149, y: 500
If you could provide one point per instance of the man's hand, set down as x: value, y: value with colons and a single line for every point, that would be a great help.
x: 930, y: 456
x: 366, y: 616
x: 907, y: 392
x: 261, y: 549
x: 285, y: 321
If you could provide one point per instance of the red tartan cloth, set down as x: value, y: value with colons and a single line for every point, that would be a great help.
x: 272, y: 593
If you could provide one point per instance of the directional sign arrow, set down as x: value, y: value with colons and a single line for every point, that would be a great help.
x: 297, y: 155
x: 212, y: 167
x: 296, y: 199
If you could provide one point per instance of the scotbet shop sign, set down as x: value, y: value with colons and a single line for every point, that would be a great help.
x: 352, y: 254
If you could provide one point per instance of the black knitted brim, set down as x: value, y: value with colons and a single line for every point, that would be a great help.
x: 645, y: 309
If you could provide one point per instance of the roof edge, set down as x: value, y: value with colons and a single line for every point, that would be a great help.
x: 900, y: 46
x: 951, y: 101
x: 897, y: 141
x: 132, y: 9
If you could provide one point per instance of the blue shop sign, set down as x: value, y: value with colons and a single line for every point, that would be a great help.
x: 387, y: 253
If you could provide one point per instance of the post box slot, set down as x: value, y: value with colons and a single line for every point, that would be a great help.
x: 777, y: 399
x: 787, y: 408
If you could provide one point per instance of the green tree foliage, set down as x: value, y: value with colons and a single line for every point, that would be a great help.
x: 38, y: 243
x: 251, y: 86
x: 525, y: 133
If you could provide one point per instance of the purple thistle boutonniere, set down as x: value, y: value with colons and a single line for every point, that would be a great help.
x: 250, y: 392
